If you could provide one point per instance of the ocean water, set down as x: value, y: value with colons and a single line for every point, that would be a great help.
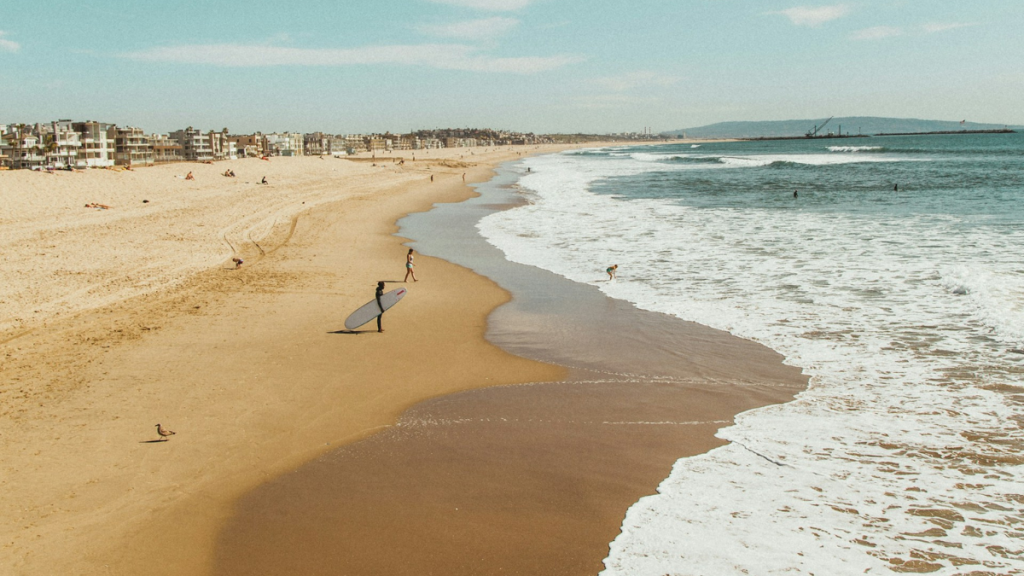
x: 906, y: 308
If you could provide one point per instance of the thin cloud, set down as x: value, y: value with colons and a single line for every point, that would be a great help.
x: 492, y: 5
x: 633, y: 80
x: 934, y: 27
x: 471, y: 29
x: 611, y: 101
x: 814, y: 15
x: 877, y: 33
x: 441, y: 56
x: 8, y: 45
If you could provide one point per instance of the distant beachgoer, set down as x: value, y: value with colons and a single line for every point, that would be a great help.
x: 409, y: 267
x: 795, y: 194
x: 611, y: 271
x: 264, y: 181
x: 463, y: 176
x: 238, y: 262
x: 377, y: 295
x: 189, y: 176
x: 431, y: 177
x: 896, y: 188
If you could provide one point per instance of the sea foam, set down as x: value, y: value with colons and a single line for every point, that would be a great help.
x: 904, y: 451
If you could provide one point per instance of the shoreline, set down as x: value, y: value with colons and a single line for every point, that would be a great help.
x: 241, y: 364
x: 519, y: 478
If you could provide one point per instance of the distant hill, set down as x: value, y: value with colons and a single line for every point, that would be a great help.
x: 850, y: 125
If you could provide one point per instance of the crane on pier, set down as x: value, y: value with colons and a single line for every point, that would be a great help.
x: 814, y: 133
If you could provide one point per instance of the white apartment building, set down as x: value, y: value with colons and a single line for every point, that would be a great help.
x: 61, y: 146
x: 285, y: 144
x: 132, y: 147
x: 195, y: 146
x: 97, y: 143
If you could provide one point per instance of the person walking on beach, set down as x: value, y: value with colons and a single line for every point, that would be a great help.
x: 611, y: 271
x: 409, y: 268
x: 795, y: 194
x: 377, y: 295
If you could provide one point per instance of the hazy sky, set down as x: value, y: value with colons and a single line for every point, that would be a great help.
x: 535, y: 65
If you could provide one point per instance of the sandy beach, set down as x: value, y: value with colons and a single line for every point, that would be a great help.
x: 118, y: 319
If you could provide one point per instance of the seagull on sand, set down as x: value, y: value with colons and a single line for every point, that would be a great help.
x: 163, y: 432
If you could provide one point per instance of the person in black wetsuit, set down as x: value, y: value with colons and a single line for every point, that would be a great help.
x: 377, y: 295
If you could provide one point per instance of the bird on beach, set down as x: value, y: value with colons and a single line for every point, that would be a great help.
x: 163, y: 432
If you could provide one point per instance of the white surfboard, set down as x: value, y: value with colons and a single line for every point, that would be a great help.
x: 370, y: 310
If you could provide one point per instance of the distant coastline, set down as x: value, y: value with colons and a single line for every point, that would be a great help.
x: 1003, y: 131
x: 843, y: 126
x: 838, y: 136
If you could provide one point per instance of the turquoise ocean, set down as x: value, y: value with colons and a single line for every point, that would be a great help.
x: 905, y: 306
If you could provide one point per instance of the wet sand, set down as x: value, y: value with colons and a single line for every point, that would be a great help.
x: 524, y: 479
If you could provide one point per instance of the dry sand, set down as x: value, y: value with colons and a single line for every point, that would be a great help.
x: 116, y: 320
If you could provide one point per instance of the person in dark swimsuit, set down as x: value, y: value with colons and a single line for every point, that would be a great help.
x: 377, y: 295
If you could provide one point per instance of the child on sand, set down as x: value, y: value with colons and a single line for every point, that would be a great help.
x: 238, y: 262
x: 189, y: 176
x: 611, y: 271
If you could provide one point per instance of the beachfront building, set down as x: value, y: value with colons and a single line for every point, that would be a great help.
x: 165, y: 149
x: 316, y: 144
x: 355, y: 143
x: 337, y: 142
x: 5, y: 160
x: 22, y: 149
x: 195, y: 146
x: 222, y: 146
x: 377, y: 143
x: 132, y: 147
x: 97, y: 149
x: 430, y: 144
x: 250, y: 145
x: 61, y: 145
x: 284, y: 144
x: 406, y: 142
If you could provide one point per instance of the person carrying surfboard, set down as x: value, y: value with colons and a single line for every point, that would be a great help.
x: 377, y: 295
